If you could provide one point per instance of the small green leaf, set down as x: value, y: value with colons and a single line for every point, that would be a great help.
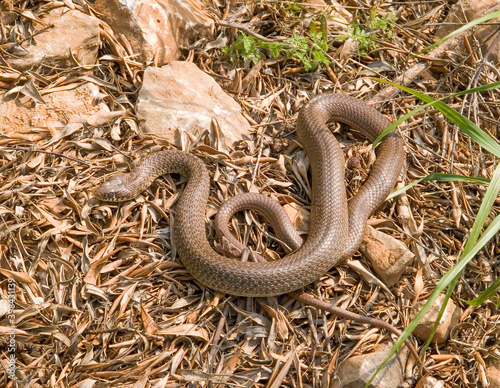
x: 323, y: 28
x: 312, y: 28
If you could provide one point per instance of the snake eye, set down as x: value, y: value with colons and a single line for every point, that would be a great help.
x: 110, y: 195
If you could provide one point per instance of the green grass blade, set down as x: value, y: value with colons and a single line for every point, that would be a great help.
x: 482, y: 215
x: 484, y: 211
x: 440, y: 178
x: 482, y: 88
x: 473, y: 23
x: 486, y: 294
x: 467, y: 126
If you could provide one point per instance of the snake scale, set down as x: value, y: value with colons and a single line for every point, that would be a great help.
x: 337, y: 227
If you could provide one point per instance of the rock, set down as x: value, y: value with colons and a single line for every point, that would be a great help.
x: 156, y: 29
x: 449, y: 319
x: 389, y: 257
x: 356, y: 371
x: 73, y: 34
x: 60, y: 108
x: 465, y: 11
x: 181, y: 96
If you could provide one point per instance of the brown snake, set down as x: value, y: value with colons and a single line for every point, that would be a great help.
x: 336, y: 227
x: 334, y: 235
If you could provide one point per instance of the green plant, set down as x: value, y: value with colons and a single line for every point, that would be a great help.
x: 367, y: 33
x: 310, y: 51
x: 292, y: 9
x: 246, y: 47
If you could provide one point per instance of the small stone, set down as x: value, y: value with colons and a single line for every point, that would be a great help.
x: 357, y: 371
x: 389, y: 257
x: 450, y: 318
x: 73, y: 34
x: 181, y: 96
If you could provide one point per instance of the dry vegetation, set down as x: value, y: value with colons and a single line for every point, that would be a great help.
x: 100, y: 293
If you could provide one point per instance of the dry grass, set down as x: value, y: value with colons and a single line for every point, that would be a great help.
x: 100, y: 294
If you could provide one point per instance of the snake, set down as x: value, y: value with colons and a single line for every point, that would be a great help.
x: 336, y: 225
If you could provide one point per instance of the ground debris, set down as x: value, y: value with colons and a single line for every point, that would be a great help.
x: 100, y: 298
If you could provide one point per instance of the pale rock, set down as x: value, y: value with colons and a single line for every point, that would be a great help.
x: 449, y: 319
x: 356, y: 371
x: 466, y: 11
x: 74, y: 34
x: 389, y: 257
x: 60, y: 108
x: 156, y: 29
x: 181, y: 96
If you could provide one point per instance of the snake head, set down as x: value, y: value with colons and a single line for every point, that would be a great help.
x: 113, y: 189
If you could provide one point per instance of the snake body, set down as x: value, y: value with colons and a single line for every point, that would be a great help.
x: 336, y: 228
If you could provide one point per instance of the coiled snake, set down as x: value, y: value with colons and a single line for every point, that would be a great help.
x: 336, y: 228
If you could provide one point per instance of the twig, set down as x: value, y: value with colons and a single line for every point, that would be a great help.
x: 9, y: 46
x: 245, y: 28
x: 302, y: 297
x: 48, y: 153
x: 413, y: 72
